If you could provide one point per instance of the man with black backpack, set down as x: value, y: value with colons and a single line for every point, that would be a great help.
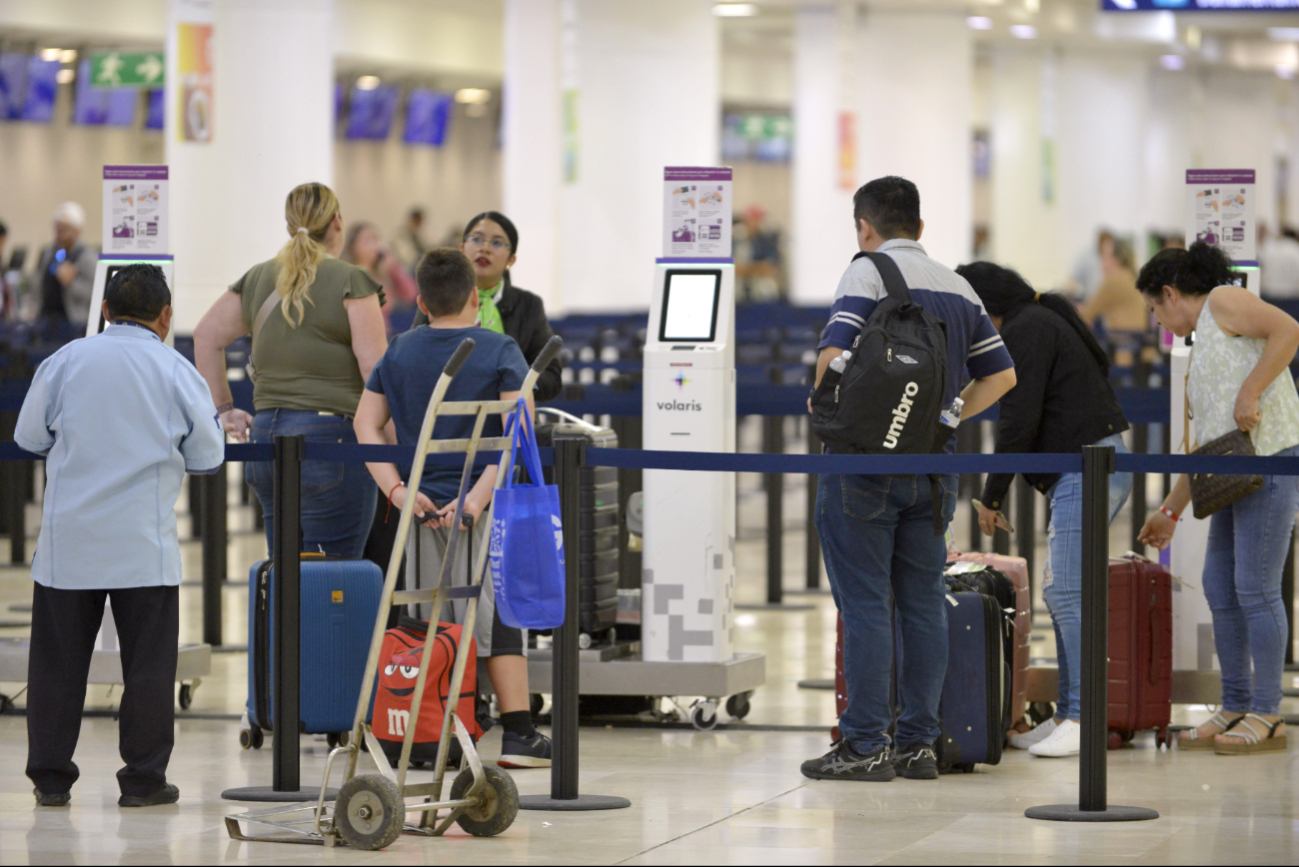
x: 903, y: 333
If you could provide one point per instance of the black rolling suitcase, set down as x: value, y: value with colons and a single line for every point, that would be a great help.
x: 598, y: 553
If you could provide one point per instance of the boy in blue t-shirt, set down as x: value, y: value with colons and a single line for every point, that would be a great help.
x: 399, y: 390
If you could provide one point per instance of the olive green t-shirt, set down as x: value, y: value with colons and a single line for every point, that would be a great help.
x: 310, y: 367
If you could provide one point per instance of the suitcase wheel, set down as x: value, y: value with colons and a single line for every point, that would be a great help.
x: 584, y: 641
x: 337, y: 739
x: 536, y: 703
x: 250, y: 739
x: 1114, y: 740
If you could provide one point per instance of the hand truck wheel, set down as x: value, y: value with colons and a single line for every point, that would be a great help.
x: 499, y: 803
x: 369, y: 813
x: 185, y: 698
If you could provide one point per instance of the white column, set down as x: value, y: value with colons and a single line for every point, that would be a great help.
x: 914, y: 109
x: 644, y: 79
x: 272, y: 122
x: 532, y: 156
x: 822, y: 240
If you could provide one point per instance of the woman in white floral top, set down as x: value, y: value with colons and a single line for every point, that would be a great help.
x: 1239, y: 379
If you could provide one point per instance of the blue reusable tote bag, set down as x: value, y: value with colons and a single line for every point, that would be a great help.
x: 527, y: 546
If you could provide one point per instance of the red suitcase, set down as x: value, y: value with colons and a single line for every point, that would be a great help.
x: 1016, y: 569
x: 1140, y: 649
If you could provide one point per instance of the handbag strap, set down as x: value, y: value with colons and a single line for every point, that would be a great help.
x: 263, y: 313
x: 524, y: 439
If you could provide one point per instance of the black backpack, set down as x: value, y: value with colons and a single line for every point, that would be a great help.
x: 891, y: 392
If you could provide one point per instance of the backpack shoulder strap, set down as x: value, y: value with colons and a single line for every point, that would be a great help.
x: 894, y: 283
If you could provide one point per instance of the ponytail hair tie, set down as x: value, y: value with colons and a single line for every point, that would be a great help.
x: 303, y: 230
x: 1037, y: 297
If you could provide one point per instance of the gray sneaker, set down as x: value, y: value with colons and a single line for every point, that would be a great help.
x: 168, y: 794
x: 916, y: 762
x: 845, y: 763
x: 57, y: 799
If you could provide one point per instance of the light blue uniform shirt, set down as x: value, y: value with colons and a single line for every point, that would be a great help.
x: 121, y: 418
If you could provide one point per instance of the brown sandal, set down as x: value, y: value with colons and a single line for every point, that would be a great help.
x: 1252, y: 740
x: 1193, y: 741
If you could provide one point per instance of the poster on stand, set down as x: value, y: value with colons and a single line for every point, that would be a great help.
x: 1221, y: 203
x: 697, y: 211
x: 135, y: 209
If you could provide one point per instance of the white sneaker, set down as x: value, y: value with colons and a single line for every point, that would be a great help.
x: 1066, y: 740
x: 1039, y: 733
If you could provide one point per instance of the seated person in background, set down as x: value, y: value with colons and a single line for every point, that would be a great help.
x: 399, y: 390
x: 121, y: 418
x: 1117, y: 302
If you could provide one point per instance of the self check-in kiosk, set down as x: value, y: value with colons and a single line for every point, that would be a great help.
x: 106, y: 268
x: 688, y: 583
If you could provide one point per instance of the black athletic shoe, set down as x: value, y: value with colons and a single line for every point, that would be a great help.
x: 58, y: 800
x: 168, y: 794
x: 845, y: 763
x: 916, y: 762
x: 521, y: 752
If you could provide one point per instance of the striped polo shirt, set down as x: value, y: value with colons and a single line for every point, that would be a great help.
x: 973, y: 344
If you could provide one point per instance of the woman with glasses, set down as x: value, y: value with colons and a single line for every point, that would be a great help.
x: 491, y: 241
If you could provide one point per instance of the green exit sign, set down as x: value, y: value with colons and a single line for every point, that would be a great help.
x: 127, y: 69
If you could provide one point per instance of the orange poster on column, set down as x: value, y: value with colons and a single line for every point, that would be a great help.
x: 194, y: 85
x: 847, y: 150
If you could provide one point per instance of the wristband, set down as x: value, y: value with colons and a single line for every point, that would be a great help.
x: 1170, y: 513
x: 225, y: 408
x: 387, y: 513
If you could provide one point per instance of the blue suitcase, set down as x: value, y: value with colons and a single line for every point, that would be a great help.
x: 973, y: 705
x: 339, y: 606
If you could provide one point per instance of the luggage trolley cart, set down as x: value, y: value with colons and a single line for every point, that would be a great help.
x: 370, y: 811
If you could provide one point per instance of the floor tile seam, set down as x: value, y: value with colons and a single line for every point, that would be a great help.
x: 725, y: 818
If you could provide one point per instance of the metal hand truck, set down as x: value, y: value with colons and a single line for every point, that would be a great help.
x: 370, y: 811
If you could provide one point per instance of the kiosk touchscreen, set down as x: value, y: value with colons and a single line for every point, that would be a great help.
x: 689, y: 395
x: 106, y: 269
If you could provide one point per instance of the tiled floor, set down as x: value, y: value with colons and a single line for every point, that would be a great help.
x: 729, y: 796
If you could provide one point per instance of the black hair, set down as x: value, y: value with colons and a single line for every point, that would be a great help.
x: 1004, y: 293
x: 446, y: 280
x: 138, y: 292
x: 4, y: 230
x: 891, y: 205
x: 506, y: 224
x: 1194, y: 272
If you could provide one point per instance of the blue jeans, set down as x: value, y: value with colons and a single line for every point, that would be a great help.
x: 1062, y: 582
x: 1242, y: 581
x: 338, y: 500
x: 877, y: 536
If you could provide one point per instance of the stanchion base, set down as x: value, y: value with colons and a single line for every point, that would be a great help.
x: 269, y: 795
x: 775, y: 606
x: 1071, y: 813
x: 817, y: 683
x: 581, y: 802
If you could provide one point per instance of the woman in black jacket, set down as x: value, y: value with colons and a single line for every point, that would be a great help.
x: 1061, y: 402
x: 490, y: 241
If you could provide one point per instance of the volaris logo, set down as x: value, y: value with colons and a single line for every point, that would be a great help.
x: 680, y: 406
x: 681, y: 380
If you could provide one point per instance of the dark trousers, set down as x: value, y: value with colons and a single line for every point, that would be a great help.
x: 64, y: 626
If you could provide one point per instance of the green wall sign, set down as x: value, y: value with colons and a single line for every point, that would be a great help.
x: 127, y: 69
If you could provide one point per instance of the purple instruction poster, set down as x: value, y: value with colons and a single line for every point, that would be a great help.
x: 1221, y: 203
x: 697, y: 211
x: 135, y: 209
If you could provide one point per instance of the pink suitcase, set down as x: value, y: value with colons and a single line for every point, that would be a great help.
x: 1016, y: 569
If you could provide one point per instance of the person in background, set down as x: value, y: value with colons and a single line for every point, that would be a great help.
x: 761, y: 268
x: 317, y: 332
x: 1117, y: 303
x: 121, y: 418
x: 1062, y: 401
x: 65, y: 272
x: 409, y: 244
x: 877, y: 531
x: 1278, y: 259
x: 491, y: 242
x: 1086, y: 276
x: 363, y: 248
x: 397, y: 394
x: 1238, y: 380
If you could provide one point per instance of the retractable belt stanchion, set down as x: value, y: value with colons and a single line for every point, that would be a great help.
x: 215, y: 539
x: 286, y: 610
x: 1026, y: 523
x: 570, y: 455
x: 813, y: 550
x: 1092, y: 806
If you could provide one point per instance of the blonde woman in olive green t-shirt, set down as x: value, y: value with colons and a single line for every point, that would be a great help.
x: 312, y: 355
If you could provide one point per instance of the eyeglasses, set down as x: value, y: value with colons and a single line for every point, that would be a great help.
x: 480, y: 241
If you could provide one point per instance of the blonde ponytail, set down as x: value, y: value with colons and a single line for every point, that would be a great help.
x: 309, y: 210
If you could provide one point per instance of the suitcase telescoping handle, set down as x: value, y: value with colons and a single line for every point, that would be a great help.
x: 458, y: 357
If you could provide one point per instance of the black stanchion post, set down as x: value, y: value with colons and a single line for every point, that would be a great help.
x: 195, y: 496
x: 773, y: 442
x: 1093, y: 806
x: 15, y: 508
x: 214, y: 552
x: 286, y: 646
x: 1026, y: 522
x: 813, y: 550
x: 570, y: 456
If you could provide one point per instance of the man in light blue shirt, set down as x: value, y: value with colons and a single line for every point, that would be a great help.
x: 121, y: 418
